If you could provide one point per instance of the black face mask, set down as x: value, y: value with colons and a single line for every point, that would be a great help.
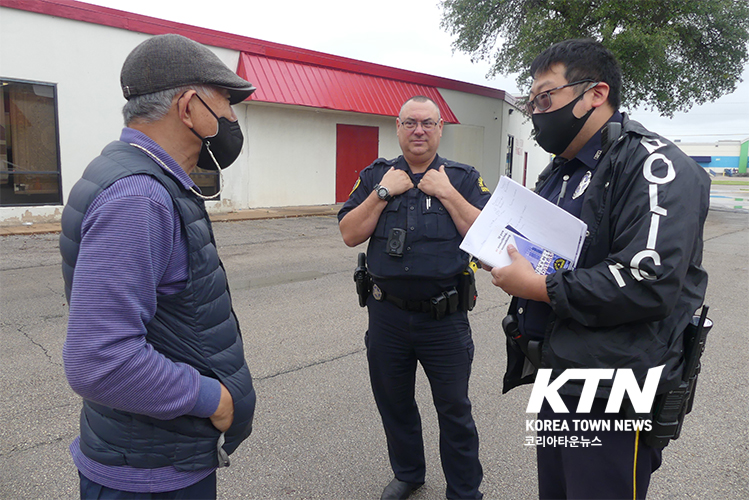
x: 554, y: 131
x: 221, y: 149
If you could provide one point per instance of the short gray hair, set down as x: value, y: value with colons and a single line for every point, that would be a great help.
x: 149, y: 108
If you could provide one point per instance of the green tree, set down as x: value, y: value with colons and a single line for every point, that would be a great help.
x: 673, y: 53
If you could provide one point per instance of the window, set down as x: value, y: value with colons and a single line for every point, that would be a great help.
x: 29, y: 145
x: 206, y: 180
x: 509, y: 157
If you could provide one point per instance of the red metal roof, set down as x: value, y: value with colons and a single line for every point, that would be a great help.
x: 291, y: 82
x: 80, y: 11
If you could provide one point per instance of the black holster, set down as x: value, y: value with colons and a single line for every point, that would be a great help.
x: 467, y: 288
x: 532, y: 349
x: 363, y: 279
x: 444, y: 304
x: 670, y: 408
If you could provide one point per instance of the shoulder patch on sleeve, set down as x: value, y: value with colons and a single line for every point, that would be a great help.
x: 482, y: 186
x: 356, y: 185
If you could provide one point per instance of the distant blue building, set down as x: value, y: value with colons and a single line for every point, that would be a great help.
x: 720, y: 158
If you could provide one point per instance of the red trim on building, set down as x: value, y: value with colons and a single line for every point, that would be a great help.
x: 361, y: 86
x: 80, y: 11
x: 288, y: 82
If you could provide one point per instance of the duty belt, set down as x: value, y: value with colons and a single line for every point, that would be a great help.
x: 438, y: 306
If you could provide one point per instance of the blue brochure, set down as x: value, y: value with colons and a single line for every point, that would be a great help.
x: 543, y: 260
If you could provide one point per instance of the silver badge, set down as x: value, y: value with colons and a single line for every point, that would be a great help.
x: 582, y: 185
x: 377, y: 293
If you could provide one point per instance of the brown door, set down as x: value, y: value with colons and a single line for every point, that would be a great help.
x: 356, y: 147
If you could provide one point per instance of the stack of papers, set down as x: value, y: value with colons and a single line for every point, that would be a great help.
x: 546, y: 235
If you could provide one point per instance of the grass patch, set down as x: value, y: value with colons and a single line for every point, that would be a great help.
x: 730, y: 182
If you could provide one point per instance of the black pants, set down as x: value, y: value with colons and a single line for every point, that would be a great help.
x: 395, y: 341
x: 618, y: 465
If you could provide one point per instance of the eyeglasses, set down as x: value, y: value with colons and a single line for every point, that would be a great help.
x: 543, y: 100
x: 427, y: 125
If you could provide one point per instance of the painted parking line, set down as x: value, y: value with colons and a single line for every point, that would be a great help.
x: 729, y: 198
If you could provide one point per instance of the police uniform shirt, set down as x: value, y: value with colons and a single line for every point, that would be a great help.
x: 566, y: 188
x: 431, y: 260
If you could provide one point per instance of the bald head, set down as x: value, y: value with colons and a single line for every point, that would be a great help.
x: 419, y: 99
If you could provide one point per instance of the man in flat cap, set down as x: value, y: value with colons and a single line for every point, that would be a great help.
x: 153, y: 345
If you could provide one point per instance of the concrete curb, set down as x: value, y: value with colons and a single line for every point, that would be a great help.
x: 251, y: 214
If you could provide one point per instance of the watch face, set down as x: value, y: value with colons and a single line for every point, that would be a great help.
x: 382, y: 192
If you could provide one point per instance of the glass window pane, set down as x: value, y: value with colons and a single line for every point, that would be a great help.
x: 29, y: 153
x: 206, y: 180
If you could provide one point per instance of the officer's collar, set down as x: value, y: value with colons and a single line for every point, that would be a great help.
x: 591, y: 152
x: 435, y: 164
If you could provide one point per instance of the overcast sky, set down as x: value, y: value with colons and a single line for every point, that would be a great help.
x: 406, y: 34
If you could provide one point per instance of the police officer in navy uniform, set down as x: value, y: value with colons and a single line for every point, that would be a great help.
x: 415, y: 209
x: 638, y: 280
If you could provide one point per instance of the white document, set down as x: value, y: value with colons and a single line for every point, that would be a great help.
x: 515, y: 214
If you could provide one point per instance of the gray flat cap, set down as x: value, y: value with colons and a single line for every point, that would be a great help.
x: 168, y: 61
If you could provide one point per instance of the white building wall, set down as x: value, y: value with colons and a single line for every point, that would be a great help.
x: 720, y: 148
x: 290, y: 153
x: 527, y: 154
x: 477, y: 140
x: 84, y: 61
x: 482, y: 138
x: 463, y: 143
x: 289, y: 156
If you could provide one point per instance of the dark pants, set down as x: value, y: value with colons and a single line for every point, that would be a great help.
x: 618, y: 469
x: 202, y: 490
x: 395, y: 341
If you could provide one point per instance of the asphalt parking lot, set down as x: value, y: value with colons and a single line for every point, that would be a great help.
x: 317, y: 432
x: 730, y: 197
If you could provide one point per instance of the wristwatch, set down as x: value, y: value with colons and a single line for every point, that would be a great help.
x: 383, y: 193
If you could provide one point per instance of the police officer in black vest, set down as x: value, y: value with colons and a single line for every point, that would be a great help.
x: 415, y: 210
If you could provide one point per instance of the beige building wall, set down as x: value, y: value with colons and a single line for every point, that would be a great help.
x: 528, y: 158
x: 720, y: 148
x: 289, y: 156
x: 482, y: 138
x: 476, y: 141
x: 84, y: 61
x: 464, y: 144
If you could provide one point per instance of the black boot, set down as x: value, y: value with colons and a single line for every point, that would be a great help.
x: 399, y: 490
